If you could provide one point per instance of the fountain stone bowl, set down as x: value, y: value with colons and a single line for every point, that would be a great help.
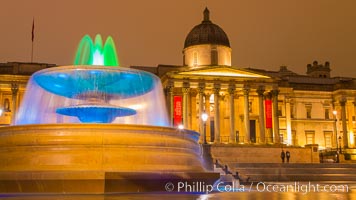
x: 94, y: 84
x: 98, y: 158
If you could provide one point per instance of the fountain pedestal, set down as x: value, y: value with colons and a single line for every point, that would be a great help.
x: 97, y: 158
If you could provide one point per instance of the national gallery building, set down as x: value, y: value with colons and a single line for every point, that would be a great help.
x: 246, y: 105
x: 242, y: 105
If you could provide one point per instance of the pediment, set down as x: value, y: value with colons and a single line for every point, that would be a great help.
x: 222, y: 72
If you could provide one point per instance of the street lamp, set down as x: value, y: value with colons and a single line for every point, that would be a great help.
x: 204, y: 117
x: 340, y: 143
x: 1, y: 111
x: 335, y: 128
x: 180, y: 126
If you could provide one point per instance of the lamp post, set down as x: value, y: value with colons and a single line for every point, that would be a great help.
x: 335, y: 128
x: 340, y: 143
x: 1, y: 111
x: 180, y: 126
x: 204, y: 117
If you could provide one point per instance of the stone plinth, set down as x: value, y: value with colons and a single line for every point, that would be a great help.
x: 80, y: 157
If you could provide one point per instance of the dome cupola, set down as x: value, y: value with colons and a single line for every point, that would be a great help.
x: 206, y: 33
x: 207, y: 44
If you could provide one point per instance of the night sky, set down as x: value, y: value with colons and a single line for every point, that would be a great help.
x: 263, y: 34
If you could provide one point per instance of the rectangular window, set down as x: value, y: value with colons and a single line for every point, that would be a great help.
x: 214, y: 57
x: 195, y: 58
x: 310, y: 137
x: 327, y: 113
x: 308, y: 110
x: 328, y: 139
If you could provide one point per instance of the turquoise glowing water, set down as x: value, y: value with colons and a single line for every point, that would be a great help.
x: 96, y: 113
x: 83, y: 81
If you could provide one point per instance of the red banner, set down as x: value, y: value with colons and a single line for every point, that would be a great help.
x: 177, y: 107
x: 268, y: 113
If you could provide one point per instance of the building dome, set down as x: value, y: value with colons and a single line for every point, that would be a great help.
x: 206, y: 33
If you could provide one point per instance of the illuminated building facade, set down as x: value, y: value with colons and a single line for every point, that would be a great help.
x: 244, y: 105
x: 247, y: 105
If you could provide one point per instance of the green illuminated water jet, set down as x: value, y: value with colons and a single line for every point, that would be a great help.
x: 95, y: 53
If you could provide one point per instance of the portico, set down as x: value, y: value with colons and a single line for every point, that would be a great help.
x: 233, y: 99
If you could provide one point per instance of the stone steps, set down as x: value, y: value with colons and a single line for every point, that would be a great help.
x: 295, y: 165
x: 332, y: 172
x: 296, y: 171
x: 261, y: 154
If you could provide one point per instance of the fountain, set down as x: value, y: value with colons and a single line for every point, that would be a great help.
x: 96, y: 129
x: 93, y: 94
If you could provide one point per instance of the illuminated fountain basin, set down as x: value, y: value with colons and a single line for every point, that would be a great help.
x: 93, y: 94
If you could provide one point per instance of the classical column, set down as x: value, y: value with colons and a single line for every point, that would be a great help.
x: 335, y: 128
x: 216, y: 113
x: 192, y: 110
x: 185, y: 91
x: 354, y: 107
x: 201, y: 109
x: 14, y: 91
x: 288, y: 121
x: 350, y: 123
x: 275, y: 116
x: 261, y: 112
x: 344, y: 126
x: 353, y: 124
x: 246, y: 91
x: 207, y: 110
x: 232, y: 113
x: 169, y: 90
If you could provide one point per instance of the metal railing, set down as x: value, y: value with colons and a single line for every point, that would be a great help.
x: 240, y: 139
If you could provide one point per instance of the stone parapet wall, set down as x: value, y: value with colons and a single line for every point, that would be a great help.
x: 262, y: 154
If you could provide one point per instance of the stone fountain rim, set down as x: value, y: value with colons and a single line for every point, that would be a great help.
x: 99, y: 125
x: 6, y: 130
x: 93, y: 67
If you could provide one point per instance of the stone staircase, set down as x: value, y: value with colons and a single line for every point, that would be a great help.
x: 278, y: 172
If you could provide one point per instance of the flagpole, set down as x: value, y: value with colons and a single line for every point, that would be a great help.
x: 32, y: 38
x: 32, y: 53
